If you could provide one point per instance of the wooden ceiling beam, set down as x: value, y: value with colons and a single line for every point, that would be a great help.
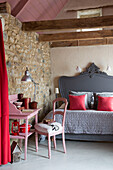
x: 20, y: 5
x: 68, y: 24
x: 104, y: 41
x: 63, y: 44
x: 75, y: 36
x: 5, y: 7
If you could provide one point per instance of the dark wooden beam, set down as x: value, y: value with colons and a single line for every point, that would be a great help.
x: 103, y: 41
x: 5, y: 7
x: 68, y: 24
x: 94, y: 7
x: 109, y: 40
x: 92, y: 42
x: 19, y: 7
x: 76, y: 35
x: 63, y: 44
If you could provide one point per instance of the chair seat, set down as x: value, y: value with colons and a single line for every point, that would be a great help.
x: 48, y: 128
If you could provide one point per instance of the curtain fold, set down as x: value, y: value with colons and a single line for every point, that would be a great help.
x: 5, y: 154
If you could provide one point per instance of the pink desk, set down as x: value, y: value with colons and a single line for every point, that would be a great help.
x: 14, y: 113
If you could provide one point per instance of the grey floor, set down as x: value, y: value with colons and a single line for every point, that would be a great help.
x: 79, y: 156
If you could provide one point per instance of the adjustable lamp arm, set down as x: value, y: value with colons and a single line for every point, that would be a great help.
x: 35, y: 84
x: 27, y: 77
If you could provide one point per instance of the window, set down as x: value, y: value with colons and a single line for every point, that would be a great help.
x: 88, y: 14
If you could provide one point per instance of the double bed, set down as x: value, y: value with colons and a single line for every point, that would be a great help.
x: 90, y: 124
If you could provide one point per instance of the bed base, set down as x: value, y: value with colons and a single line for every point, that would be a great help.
x: 86, y: 137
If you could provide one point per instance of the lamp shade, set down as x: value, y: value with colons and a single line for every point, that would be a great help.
x: 27, y: 76
x: 78, y: 69
x: 56, y: 91
x: 108, y: 68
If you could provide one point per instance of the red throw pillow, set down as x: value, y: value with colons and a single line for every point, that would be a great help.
x: 77, y: 102
x: 105, y: 103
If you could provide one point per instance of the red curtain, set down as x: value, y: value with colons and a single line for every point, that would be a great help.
x: 5, y: 155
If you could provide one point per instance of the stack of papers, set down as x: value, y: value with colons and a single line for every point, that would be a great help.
x: 27, y: 110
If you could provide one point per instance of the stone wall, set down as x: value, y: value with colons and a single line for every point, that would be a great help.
x: 23, y: 50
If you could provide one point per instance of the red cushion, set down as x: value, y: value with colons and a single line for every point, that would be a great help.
x: 105, y: 103
x: 77, y: 102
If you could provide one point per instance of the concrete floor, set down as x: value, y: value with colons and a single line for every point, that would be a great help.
x: 79, y: 156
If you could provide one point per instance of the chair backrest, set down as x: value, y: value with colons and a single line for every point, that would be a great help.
x: 63, y: 113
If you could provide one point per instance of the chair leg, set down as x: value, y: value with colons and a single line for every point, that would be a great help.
x: 54, y: 141
x: 49, y: 147
x: 36, y: 140
x: 63, y: 139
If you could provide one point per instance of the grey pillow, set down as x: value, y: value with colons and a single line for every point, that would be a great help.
x: 105, y: 94
x: 102, y: 94
x: 87, y: 97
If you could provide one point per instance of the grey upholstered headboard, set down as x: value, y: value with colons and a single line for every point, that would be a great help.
x: 92, y: 80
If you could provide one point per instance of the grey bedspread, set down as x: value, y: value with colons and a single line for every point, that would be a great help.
x: 86, y: 121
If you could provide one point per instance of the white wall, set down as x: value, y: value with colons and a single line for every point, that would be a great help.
x: 64, y: 60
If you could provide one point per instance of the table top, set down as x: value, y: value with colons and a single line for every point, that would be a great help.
x: 26, y: 113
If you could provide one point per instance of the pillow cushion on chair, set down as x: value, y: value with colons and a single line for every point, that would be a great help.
x: 77, y: 102
x: 105, y: 103
x: 48, y: 128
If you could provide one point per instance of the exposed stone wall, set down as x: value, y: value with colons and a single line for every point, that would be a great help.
x: 23, y: 50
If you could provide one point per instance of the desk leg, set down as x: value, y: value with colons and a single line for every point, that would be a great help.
x: 36, y: 134
x: 26, y: 138
x: 20, y: 141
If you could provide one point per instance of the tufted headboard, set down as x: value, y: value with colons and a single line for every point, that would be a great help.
x: 92, y: 80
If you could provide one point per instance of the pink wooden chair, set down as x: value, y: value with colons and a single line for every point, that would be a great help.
x: 50, y: 130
